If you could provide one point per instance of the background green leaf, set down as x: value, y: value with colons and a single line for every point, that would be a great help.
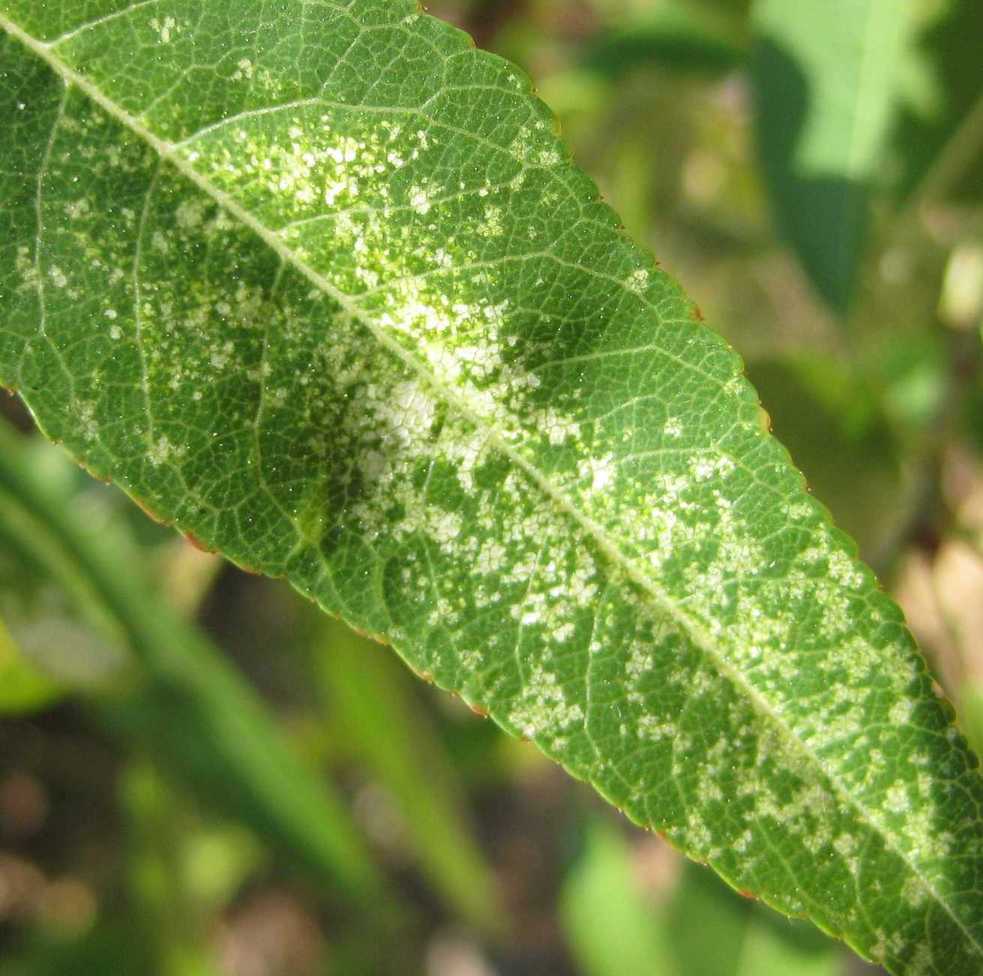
x: 613, y: 927
x: 677, y: 36
x: 826, y: 78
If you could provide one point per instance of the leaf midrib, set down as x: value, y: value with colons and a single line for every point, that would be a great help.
x: 565, y: 506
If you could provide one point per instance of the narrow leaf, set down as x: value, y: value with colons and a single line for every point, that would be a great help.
x: 826, y: 78
x: 325, y: 291
x: 362, y: 683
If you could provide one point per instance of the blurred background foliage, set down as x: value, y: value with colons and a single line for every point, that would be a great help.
x: 202, y: 776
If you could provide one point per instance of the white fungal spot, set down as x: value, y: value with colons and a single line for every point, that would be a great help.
x: 420, y: 200
x: 543, y: 709
x: 161, y: 451
x: 638, y: 281
x: 165, y: 28
x: 673, y: 427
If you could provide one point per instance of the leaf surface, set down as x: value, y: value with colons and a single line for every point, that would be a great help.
x: 323, y: 289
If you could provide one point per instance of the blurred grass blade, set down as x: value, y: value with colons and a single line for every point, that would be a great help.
x: 938, y: 138
x: 679, y: 37
x: 60, y: 629
x: 826, y: 75
x: 364, y: 682
x: 612, y: 928
x: 191, y: 710
x: 23, y: 688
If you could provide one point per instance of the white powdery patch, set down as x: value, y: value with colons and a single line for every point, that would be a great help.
x: 162, y: 451
x: 420, y: 200
x: 57, y: 276
x: 312, y: 164
x: 599, y: 473
x: 638, y: 281
x: 244, y: 70
x: 896, y: 799
x: 543, y: 709
x: 27, y: 269
x: 901, y: 711
x: 165, y: 28
x: 650, y: 727
x: 559, y: 428
x: 190, y: 214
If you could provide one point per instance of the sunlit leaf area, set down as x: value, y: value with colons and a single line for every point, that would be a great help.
x: 491, y: 490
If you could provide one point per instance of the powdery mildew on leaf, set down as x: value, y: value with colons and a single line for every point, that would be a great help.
x: 325, y: 291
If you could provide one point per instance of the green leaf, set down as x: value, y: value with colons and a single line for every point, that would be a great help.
x: 769, y: 951
x: 182, y: 871
x: 59, y: 633
x: 836, y: 430
x: 701, y: 929
x: 324, y: 290
x: 826, y: 78
x: 971, y: 700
